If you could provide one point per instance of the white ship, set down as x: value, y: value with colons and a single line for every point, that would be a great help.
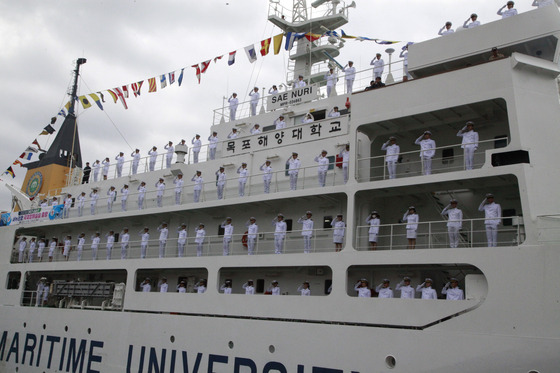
x: 62, y: 314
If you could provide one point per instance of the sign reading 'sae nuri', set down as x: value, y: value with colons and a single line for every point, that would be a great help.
x: 293, y: 97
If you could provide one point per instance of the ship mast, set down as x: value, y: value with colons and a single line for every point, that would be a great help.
x: 74, y: 92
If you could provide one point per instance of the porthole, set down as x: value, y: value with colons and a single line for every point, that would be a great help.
x: 271, y: 349
x: 390, y: 362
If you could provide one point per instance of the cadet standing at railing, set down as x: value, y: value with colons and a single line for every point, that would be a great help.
x: 334, y: 113
x: 392, y: 151
x: 124, y: 196
x: 169, y: 156
x: 110, y: 243
x: 226, y: 287
x: 306, y: 231
x: 228, y: 235
x: 163, y: 233
x: 451, y: 290
x: 141, y: 194
x: 428, y: 150
x: 469, y: 143
x: 135, y: 161
x: 120, y: 162
x: 106, y: 163
x: 199, y: 239
x: 182, y: 287
x: 300, y: 83
x: 112, y: 193
x: 493, y: 215
x: 411, y: 218
x: 426, y: 289
x: 243, y: 174
x: 213, y: 144
x: 67, y: 205
x: 198, y: 181
x: 373, y: 221
x: 94, y: 196
x: 474, y: 23
x: 153, y: 157
x: 350, y: 72
x: 145, y: 240
x: 383, y: 290
x: 293, y: 170
x: 81, y: 202
x: 404, y: 56
x: 274, y: 289
x: 378, y: 65
x: 279, y: 123
x: 22, y: 247
x: 252, y: 231
x: 181, y: 240
x: 446, y: 29
x: 273, y: 90
x: 42, y: 292
x: 345, y: 155
x: 454, y: 223
x: 160, y: 189
x: 96, y: 166
x: 233, y: 134
x: 220, y: 182
x: 146, y: 286
x: 509, y: 12
x: 52, y: 248
x: 308, y: 118
x: 331, y: 79
x: 81, y: 243
x: 362, y: 288
x: 256, y: 129
x: 125, y: 239
x: 197, y: 145
x: 407, y: 291
x: 95, y: 240
x: 163, y: 286
x: 249, y: 288
x: 279, y: 233
x: 40, y: 249
x: 86, y: 171
x: 67, y: 247
x: 233, y: 104
x: 304, y: 289
x: 338, y: 232
x: 322, y: 168
x: 178, y: 188
x: 267, y: 175
x: 255, y: 96
x: 200, y: 286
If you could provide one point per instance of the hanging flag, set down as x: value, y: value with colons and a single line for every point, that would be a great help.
x: 251, y: 54
x: 346, y: 36
x: 152, y: 85
x: 385, y: 42
x: 197, y: 72
x: 171, y: 77
x: 332, y: 33
x: 265, y: 46
x: 136, y: 88
x: 102, y: 97
x: 231, y: 59
x: 180, y: 80
x: 125, y: 91
x: 113, y: 96
x: 35, y: 142
x: 121, y: 97
x: 97, y: 100
x: 278, y: 43
x: 48, y: 130
x: 28, y: 153
x: 312, y: 37
x: 85, y: 102
x: 10, y: 172
x: 163, y: 81
x: 53, y: 119
x: 67, y: 106
x: 204, y: 66
x: 291, y: 37
x: 62, y: 113
x: 218, y: 58
x: 17, y: 162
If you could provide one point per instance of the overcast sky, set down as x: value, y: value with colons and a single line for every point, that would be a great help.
x: 126, y: 41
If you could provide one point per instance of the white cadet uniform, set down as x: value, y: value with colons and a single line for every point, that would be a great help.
x: 493, y: 214
x: 452, y: 293
x: 300, y: 83
x: 81, y: 243
x: 197, y: 187
x: 252, y: 231
x: 146, y: 288
x: 52, y: 247
x: 96, y: 166
x: 228, y: 235
x: 200, y: 289
x: 338, y: 231
x: 163, y: 233
x: 331, y: 83
x: 407, y: 291
x: 350, y: 76
x: 274, y: 290
x: 454, y: 224
x: 243, y: 174
x: 141, y: 195
x: 181, y: 241
x: 428, y: 150
x: 427, y: 292
x: 412, y: 224
x: 279, y: 235
x: 226, y: 289
x: 233, y: 135
x: 345, y: 155
x: 22, y: 247
x: 293, y: 170
x: 279, y: 124
x: 469, y: 145
x: 378, y: 65
x: 212, y: 146
x: 95, y: 240
x: 124, y: 198
x: 144, y: 243
x: 169, y: 156
x: 120, y: 163
x: 160, y: 189
x: 197, y: 145
x: 404, y: 56
x: 112, y: 193
x: 255, y: 96
x: 474, y: 24
x: 125, y: 238
x: 41, y: 248
x: 363, y: 292
x: 373, y: 228
x: 178, y: 189
x: 163, y: 287
x: 110, y: 244
x: 135, y: 161
x: 199, y: 240
x: 105, y: 168
x: 304, y: 292
x: 306, y: 233
x: 93, y: 201
x: 322, y: 169
x: 444, y: 31
x: 384, y: 292
x: 153, y: 158
x: 233, y: 104
x: 81, y: 202
x: 391, y: 158
x: 334, y: 114
x: 42, y: 293
x: 267, y: 177
x: 249, y: 289
x: 220, y: 183
x: 67, y: 206
x: 507, y: 13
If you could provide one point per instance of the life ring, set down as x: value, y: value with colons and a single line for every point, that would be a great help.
x: 244, y: 240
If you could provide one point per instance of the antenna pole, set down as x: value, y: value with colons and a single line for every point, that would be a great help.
x: 73, y: 94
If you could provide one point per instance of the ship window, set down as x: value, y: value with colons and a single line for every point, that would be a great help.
x: 507, y: 158
x: 447, y: 156
x: 260, y: 286
x: 327, y: 222
x: 289, y: 223
x: 500, y: 141
x: 13, y: 280
x: 174, y: 276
